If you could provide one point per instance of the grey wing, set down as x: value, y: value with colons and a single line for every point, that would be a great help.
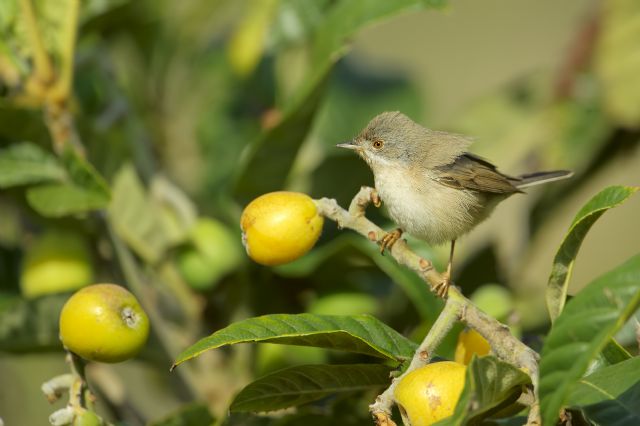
x: 471, y: 172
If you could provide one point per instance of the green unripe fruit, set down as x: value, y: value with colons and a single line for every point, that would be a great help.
x: 57, y: 261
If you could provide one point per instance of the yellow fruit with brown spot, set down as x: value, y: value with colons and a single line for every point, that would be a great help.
x: 470, y: 342
x: 280, y: 227
x: 430, y: 393
x: 103, y: 322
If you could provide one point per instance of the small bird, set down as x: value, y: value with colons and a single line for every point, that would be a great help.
x: 433, y: 188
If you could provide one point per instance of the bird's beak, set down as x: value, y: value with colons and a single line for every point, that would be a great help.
x: 349, y: 145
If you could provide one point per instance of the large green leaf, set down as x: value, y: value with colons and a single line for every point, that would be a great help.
x: 624, y: 410
x: 301, y: 384
x: 25, y: 163
x: 605, y: 384
x: 269, y: 158
x: 583, y: 329
x: 565, y: 257
x: 490, y: 386
x: 359, y: 333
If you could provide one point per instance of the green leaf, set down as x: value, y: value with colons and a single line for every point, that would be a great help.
x: 189, y: 415
x: 359, y: 333
x: 584, y: 328
x: 490, y: 386
x: 621, y: 411
x: 85, y: 190
x: 605, y: 384
x: 135, y: 217
x: 302, y: 384
x: 614, y: 353
x: 83, y: 174
x: 565, y: 257
x: 269, y: 158
x: 24, y: 163
x: 265, y: 165
x: 62, y: 200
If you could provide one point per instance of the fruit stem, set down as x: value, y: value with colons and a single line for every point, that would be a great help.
x: 79, y: 394
x: 381, y: 408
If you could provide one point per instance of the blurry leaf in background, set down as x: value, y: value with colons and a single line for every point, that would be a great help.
x: 62, y: 200
x: 268, y: 159
x: 427, y: 304
x: 195, y: 414
x: 616, y: 60
x: 135, y: 217
x: 249, y: 37
x: 575, y: 130
x: 30, y: 326
x: 176, y: 211
x: 83, y: 189
x: 271, y: 357
x: 582, y: 330
x: 566, y: 255
x: 344, y: 304
x: 42, y: 35
x: 302, y: 384
x: 490, y: 386
x: 26, y: 163
x: 362, y: 334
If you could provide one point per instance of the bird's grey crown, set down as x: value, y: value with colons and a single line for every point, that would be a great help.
x: 407, y: 141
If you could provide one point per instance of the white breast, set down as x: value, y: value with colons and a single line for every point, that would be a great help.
x: 427, y: 209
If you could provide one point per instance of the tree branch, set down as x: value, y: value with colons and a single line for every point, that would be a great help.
x: 457, y: 307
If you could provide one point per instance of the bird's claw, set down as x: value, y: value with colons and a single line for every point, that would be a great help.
x: 442, y: 288
x: 390, y: 239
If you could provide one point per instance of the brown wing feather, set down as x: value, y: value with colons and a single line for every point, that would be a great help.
x: 471, y: 172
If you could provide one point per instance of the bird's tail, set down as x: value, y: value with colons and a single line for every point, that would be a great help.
x: 537, y: 178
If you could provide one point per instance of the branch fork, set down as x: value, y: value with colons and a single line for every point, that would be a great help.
x: 457, y: 307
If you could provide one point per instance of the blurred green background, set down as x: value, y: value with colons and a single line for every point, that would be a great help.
x: 191, y: 109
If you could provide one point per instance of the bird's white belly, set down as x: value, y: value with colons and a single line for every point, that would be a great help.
x: 427, y: 209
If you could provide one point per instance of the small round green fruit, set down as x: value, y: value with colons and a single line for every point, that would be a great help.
x: 214, y: 252
x: 57, y: 262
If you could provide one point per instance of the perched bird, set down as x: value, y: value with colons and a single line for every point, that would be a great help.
x: 433, y: 188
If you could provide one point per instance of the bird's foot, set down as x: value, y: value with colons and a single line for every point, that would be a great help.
x: 390, y: 239
x: 442, y: 288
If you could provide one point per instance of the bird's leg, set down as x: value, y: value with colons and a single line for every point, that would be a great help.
x: 390, y: 239
x: 443, y: 287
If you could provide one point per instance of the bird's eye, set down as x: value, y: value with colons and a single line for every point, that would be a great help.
x: 377, y: 144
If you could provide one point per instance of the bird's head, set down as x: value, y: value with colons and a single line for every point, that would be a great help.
x: 391, y: 139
